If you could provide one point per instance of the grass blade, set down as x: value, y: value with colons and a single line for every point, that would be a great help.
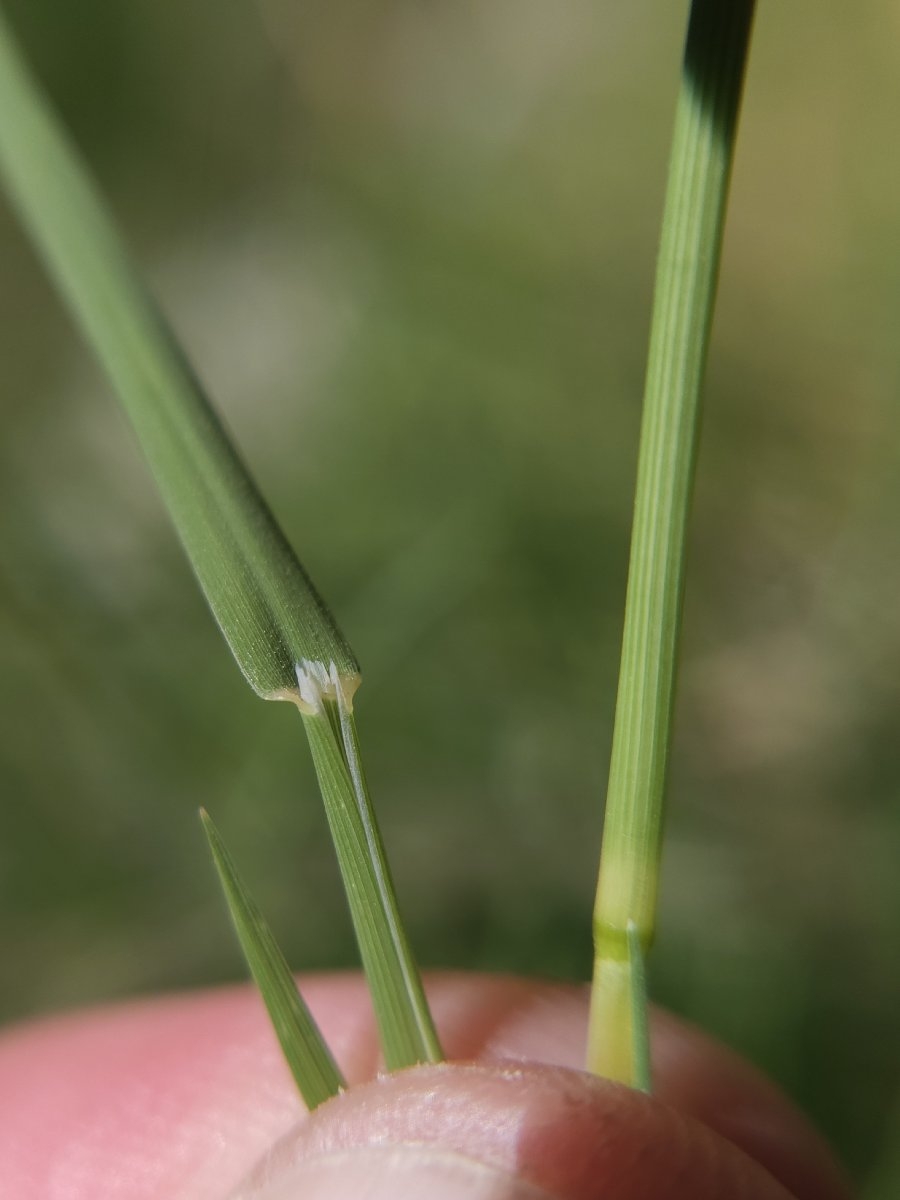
x: 407, y: 1031
x: 308, y: 1057
x: 640, y: 1023
x: 687, y: 270
x: 279, y: 629
x: 263, y: 600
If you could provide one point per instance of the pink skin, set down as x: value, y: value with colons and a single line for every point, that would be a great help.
x: 178, y: 1098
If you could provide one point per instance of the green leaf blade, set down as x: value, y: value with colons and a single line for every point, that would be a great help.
x: 640, y: 1012
x: 267, y: 607
x: 308, y: 1057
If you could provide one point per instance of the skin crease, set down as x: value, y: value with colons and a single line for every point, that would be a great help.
x: 179, y: 1097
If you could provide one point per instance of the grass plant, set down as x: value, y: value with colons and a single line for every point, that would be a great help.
x: 280, y: 631
x: 282, y: 634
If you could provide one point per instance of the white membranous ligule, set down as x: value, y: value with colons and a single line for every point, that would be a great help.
x: 317, y: 683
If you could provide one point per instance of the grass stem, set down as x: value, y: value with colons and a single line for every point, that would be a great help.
x: 687, y: 269
x: 405, y: 1024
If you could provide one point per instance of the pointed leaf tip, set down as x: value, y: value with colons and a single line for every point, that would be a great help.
x: 308, y: 1057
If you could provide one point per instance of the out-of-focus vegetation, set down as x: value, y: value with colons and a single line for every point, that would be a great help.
x: 410, y: 249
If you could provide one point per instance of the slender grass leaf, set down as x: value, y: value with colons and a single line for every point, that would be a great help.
x: 619, y: 1015
x: 640, y: 1023
x: 282, y: 635
x: 687, y: 270
x: 405, y: 1025
x: 261, y: 596
x: 308, y: 1057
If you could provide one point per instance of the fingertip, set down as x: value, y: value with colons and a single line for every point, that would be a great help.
x: 507, y: 1130
x: 394, y: 1173
x: 178, y: 1097
x: 713, y: 1084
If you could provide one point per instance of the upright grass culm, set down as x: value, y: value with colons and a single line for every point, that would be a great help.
x: 706, y: 117
x: 284, y: 638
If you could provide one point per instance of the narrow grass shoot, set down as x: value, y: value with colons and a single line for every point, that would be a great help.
x: 284, y: 638
x: 408, y: 1033
x: 310, y: 1061
x: 640, y: 1012
x: 687, y: 270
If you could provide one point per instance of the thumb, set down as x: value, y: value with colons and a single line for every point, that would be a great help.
x: 504, y: 1132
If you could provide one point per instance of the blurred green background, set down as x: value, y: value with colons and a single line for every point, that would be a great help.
x: 410, y: 248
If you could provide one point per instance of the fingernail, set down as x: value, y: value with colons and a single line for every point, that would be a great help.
x: 394, y: 1173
